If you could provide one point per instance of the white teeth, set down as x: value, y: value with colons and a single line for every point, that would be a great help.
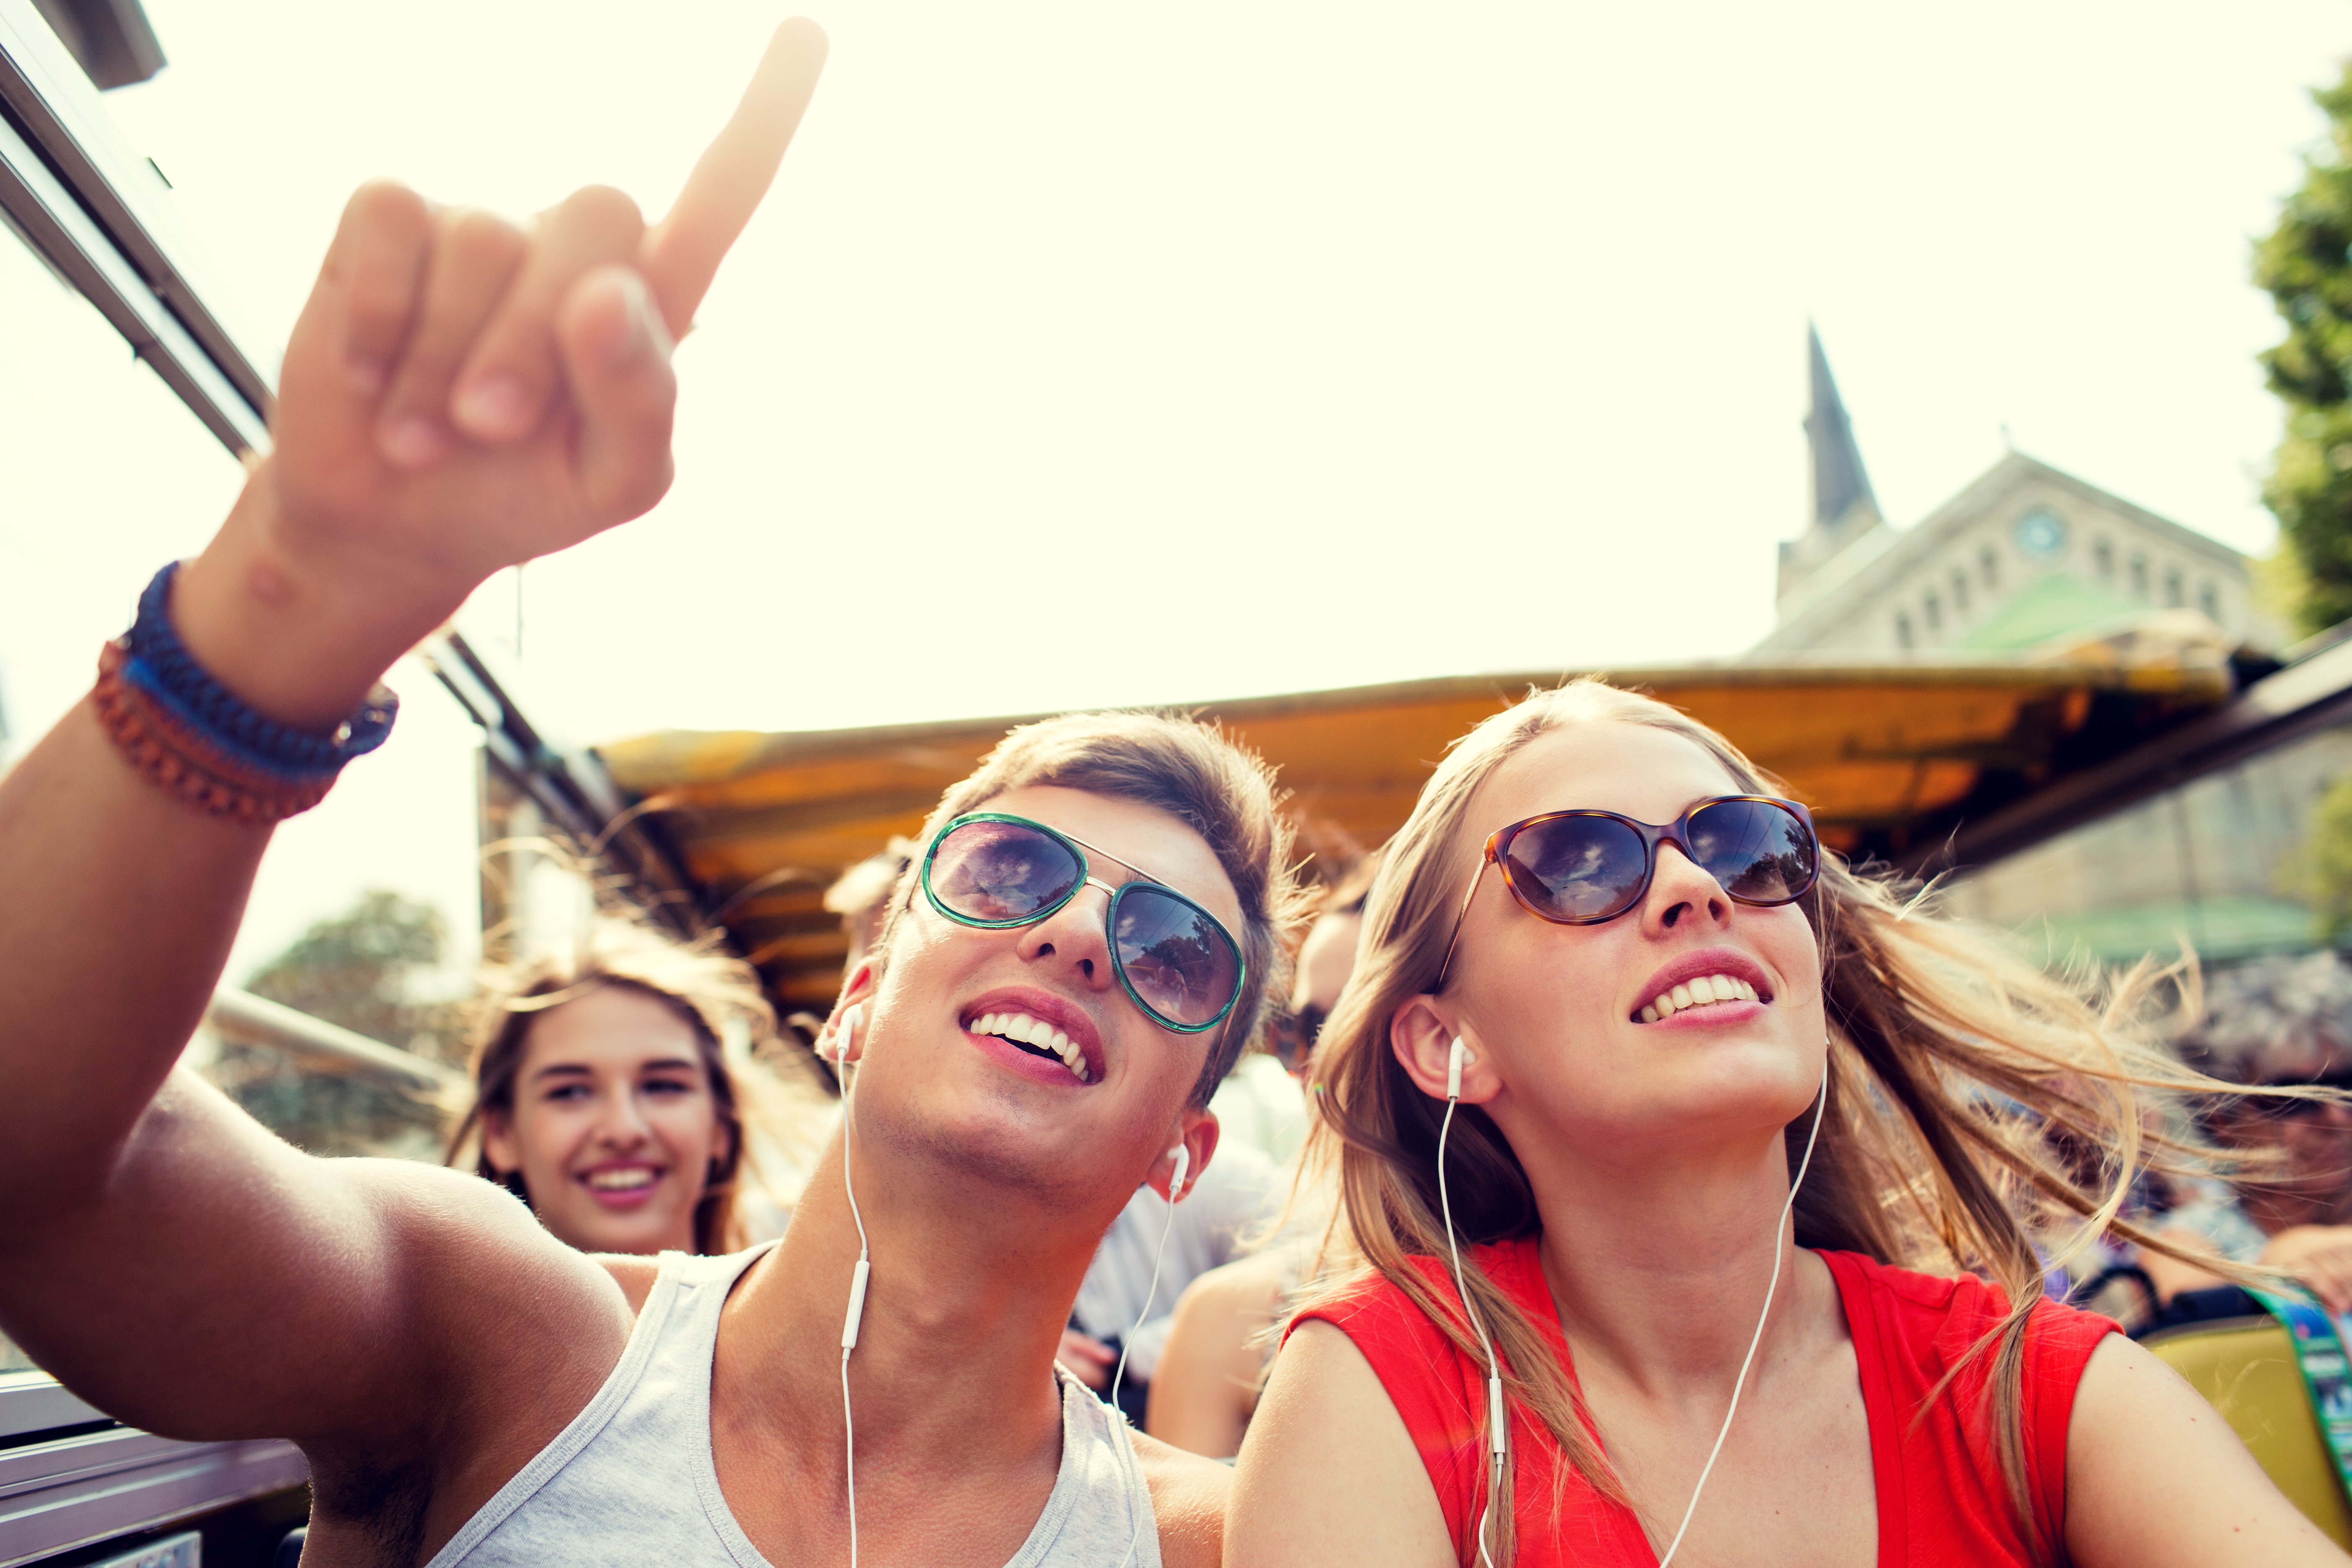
x: 1699, y: 993
x: 1031, y: 1031
x: 620, y: 1181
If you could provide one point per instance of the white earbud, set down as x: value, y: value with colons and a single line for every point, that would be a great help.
x: 845, y: 1032
x: 1455, y: 1058
x: 1183, y: 1153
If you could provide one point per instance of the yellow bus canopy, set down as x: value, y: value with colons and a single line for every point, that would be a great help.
x: 1890, y: 758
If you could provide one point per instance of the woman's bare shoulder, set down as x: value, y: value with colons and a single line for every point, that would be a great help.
x: 1188, y: 1502
x: 1329, y: 1472
x: 2154, y: 1476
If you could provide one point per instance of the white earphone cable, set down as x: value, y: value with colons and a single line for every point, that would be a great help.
x: 1175, y: 1190
x: 858, y: 1277
x: 1495, y: 1413
x: 1820, y: 1105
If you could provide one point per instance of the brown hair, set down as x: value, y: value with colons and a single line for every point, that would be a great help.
x: 1196, y: 774
x: 1954, y: 1067
x: 717, y: 996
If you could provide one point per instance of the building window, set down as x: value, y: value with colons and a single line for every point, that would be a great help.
x: 2209, y: 599
x: 1902, y: 629
x: 1959, y: 592
x: 2139, y: 576
x: 2103, y: 559
x: 2176, y: 594
x: 1989, y: 563
x: 1935, y: 611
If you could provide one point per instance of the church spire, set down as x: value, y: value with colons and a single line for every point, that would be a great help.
x: 1843, y: 507
x: 1840, y: 481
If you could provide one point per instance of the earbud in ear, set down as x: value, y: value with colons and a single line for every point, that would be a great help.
x: 1182, y: 1154
x: 845, y: 1032
x: 1454, y: 1056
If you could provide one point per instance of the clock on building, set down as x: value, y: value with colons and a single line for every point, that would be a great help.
x: 2042, y: 534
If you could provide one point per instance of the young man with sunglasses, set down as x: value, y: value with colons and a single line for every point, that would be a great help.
x: 1056, y: 995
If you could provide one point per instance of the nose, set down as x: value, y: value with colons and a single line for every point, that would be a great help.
x: 620, y: 1121
x: 1682, y: 891
x: 1073, y: 938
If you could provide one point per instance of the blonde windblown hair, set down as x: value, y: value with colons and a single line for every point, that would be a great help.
x: 1976, y: 1105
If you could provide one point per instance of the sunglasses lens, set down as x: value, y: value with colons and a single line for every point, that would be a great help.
x: 1578, y: 868
x: 994, y: 872
x: 1758, y: 852
x: 1178, y: 960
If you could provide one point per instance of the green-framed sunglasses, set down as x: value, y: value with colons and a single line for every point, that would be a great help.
x: 1176, y: 960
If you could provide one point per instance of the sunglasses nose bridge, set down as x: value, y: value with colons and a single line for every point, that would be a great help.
x: 1675, y: 837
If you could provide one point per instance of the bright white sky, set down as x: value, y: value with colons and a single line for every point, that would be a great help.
x: 1094, y: 355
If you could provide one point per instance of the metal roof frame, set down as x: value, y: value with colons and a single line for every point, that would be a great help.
x: 2312, y: 692
x: 103, y: 218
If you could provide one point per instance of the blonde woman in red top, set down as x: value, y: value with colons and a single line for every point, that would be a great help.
x: 1669, y: 1005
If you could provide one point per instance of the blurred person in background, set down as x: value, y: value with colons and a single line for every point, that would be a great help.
x: 619, y: 1094
x: 861, y: 896
x: 1221, y: 1339
x: 2274, y: 1022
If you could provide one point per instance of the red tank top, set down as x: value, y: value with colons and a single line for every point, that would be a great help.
x: 1941, y: 1497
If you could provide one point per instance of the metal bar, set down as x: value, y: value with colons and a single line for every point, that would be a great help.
x: 569, y: 786
x: 36, y: 1401
x: 88, y: 1499
x: 102, y: 216
x: 301, y: 1035
x: 2309, y: 696
x: 47, y: 216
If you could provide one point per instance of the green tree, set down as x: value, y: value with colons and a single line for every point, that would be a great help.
x: 2325, y: 875
x: 359, y: 969
x: 2307, y: 265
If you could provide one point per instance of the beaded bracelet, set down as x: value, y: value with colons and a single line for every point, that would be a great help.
x: 196, y: 738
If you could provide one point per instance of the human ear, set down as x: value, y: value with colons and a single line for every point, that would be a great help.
x: 845, y: 1036
x: 1196, y: 1134
x: 1422, y: 1039
x: 499, y: 1143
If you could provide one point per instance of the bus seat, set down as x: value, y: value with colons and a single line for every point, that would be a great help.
x: 2246, y: 1367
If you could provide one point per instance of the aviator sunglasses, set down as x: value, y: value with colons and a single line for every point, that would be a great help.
x: 1581, y: 868
x: 1176, y: 960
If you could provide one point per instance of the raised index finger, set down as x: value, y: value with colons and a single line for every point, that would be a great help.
x: 683, y: 251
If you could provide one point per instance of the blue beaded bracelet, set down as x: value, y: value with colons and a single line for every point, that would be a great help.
x: 162, y: 668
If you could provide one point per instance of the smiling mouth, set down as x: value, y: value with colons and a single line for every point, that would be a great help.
x: 623, y: 1179
x: 1035, y: 1036
x: 1706, y: 991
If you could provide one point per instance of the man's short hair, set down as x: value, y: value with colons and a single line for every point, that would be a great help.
x: 1195, y: 772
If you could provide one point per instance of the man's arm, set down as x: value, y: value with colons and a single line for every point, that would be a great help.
x: 458, y: 396
x: 2154, y: 1476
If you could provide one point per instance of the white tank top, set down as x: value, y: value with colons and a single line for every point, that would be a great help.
x: 631, y: 1481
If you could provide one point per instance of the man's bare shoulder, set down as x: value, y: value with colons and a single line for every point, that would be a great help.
x: 493, y: 1299
x: 1188, y: 1502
